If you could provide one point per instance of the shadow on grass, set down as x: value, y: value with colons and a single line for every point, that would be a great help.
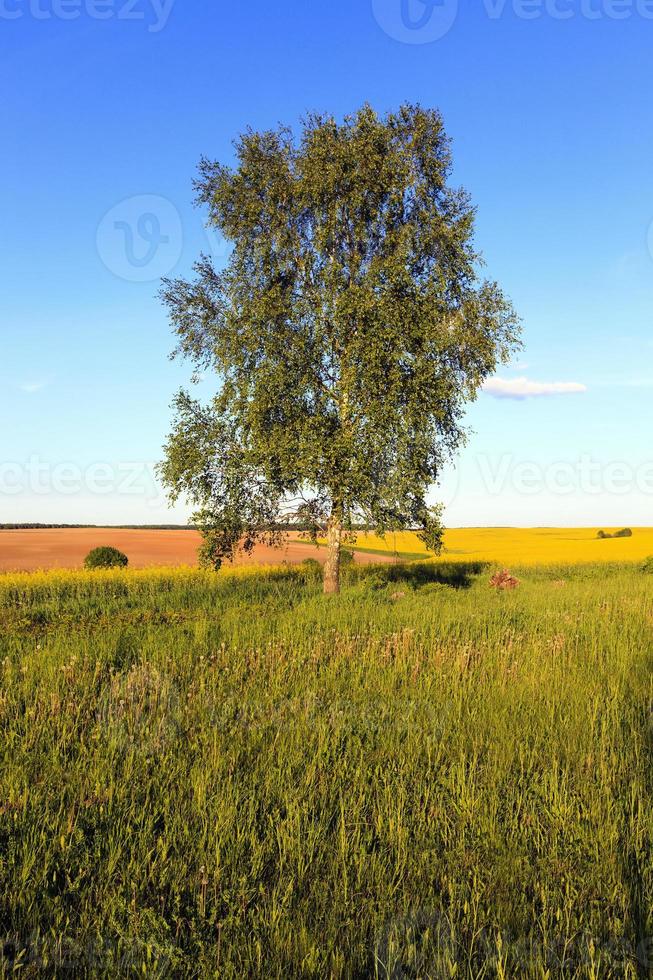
x: 456, y: 575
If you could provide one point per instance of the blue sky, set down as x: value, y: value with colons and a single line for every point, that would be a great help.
x: 106, y: 108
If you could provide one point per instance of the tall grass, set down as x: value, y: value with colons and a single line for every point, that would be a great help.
x: 232, y: 776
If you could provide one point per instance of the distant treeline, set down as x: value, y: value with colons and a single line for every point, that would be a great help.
x: 130, y: 527
x: 155, y: 527
x: 624, y: 533
x: 118, y: 527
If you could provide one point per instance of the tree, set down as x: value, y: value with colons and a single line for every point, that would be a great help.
x: 348, y: 331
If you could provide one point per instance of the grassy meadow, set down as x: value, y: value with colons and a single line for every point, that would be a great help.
x: 229, y: 776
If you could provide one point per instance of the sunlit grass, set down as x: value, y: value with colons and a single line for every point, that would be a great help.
x: 229, y: 775
x: 65, y: 580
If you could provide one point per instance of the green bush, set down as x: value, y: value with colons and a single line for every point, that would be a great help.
x: 346, y: 557
x: 312, y: 569
x: 312, y: 563
x: 647, y: 565
x: 624, y: 533
x: 106, y: 557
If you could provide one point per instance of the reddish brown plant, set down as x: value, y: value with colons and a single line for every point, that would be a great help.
x: 504, y: 580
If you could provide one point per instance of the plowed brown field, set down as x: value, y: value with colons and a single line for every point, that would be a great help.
x: 29, y: 550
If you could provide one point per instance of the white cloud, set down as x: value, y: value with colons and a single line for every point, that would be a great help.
x: 525, y: 388
x: 30, y: 387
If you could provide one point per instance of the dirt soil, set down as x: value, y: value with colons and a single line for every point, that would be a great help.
x: 30, y: 550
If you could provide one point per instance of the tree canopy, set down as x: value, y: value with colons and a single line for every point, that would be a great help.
x: 346, y: 334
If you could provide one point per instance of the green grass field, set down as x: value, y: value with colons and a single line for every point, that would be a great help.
x: 231, y: 776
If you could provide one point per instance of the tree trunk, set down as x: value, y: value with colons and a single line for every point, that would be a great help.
x: 332, y: 565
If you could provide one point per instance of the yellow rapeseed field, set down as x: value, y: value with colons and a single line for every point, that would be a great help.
x: 154, y: 578
x: 521, y: 546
